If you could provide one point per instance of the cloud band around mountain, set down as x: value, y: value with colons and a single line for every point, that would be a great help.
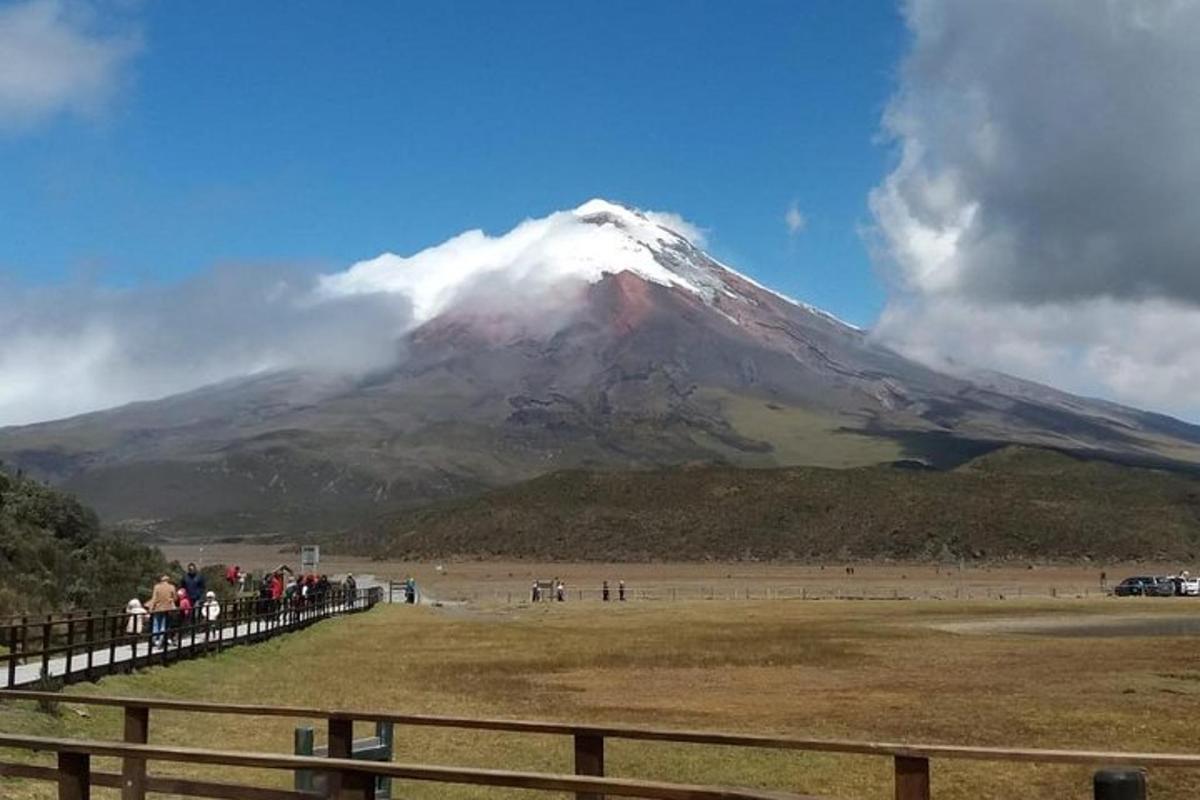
x: 1044, y: 213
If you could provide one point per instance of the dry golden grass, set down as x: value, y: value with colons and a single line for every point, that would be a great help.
x: 868, y: 670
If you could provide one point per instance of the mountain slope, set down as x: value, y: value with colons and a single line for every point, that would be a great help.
x: 595, y: 338
x: 1013, y: 503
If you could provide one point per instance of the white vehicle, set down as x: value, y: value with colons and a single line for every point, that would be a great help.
x: 1188, y: 586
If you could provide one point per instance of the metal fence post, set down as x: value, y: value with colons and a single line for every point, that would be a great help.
x: 302, y: 745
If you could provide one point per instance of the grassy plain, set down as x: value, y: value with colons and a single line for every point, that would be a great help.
x: 877, y: 670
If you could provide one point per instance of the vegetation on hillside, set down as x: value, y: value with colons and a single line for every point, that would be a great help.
x: 1012, y: 503
x: 53, y: 554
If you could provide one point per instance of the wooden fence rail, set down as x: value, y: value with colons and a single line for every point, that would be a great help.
x: 354, y: 780
x: 911, y: 762
x: 85, y: 645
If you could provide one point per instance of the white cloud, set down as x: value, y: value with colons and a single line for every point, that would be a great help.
x: 68, y: 350
x: 536, y: 255
x: 795, y: 220
x: 1137, y: 352
x: 1044, y: 213
x: 53, y: 59
x: 672, y: 221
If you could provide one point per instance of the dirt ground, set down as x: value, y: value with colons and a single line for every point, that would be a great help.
x: 506, y: 582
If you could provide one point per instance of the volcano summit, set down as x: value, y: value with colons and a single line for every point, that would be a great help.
x: 600, y: 337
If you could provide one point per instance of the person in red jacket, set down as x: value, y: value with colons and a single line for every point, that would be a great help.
x: 276, y: 586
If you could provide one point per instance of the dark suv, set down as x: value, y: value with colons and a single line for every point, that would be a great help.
x: 1144, y: 586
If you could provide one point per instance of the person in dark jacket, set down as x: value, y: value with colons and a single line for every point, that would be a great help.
x: 193, y: 584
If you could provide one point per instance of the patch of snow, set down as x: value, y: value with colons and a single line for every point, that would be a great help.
x: 584, y: 244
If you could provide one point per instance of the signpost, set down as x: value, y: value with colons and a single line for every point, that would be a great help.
x: 310, y: 557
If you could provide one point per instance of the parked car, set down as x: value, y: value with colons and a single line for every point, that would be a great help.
x: 1162, y: 587
x: 1185, y: 585
x: 1144, y: 586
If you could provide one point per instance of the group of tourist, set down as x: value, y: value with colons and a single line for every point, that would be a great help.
x: 620, y: 591
x: 295, y: 589
x: 560, y: 591
x: 174, y: 605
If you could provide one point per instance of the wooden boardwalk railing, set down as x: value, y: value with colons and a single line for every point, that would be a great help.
x: 85, y: 645
x: 911, y: 762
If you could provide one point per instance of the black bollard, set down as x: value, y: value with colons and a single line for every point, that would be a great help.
x: 1121, y: 783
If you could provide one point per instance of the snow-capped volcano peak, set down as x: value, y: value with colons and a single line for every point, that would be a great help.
x: 582, y: 245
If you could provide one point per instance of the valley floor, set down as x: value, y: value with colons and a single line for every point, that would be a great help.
x: 923, y: 671
x: 508, y: 582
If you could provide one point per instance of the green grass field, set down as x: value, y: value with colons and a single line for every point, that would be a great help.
x: 869, y: 670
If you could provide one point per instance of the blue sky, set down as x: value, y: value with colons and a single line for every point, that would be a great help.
x: 1027, y: 171
x: 319, y: 134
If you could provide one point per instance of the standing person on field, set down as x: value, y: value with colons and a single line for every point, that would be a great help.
x: 193, y: 584
x: 162, y: 604
x: 350, y: 586
x: 621, y: 592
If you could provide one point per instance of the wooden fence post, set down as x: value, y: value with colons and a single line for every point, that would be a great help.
x: 70, y: 645
x: 589, y: 760
x: 355, y: 785
x: 341, y: 745
x: 912, y: 778
x: 112, y: 630
x: 12, y: 657
x: 46, y: 646
x: 74, y: 779
x: 133, y: 770
x: 90, y: 634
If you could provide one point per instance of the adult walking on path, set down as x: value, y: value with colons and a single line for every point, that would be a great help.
x: 194, y: 585
x: 162, y: 605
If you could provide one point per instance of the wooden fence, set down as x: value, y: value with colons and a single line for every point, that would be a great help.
x: 738, y: 591
x: 911, y: 762
x: 85, y: 645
